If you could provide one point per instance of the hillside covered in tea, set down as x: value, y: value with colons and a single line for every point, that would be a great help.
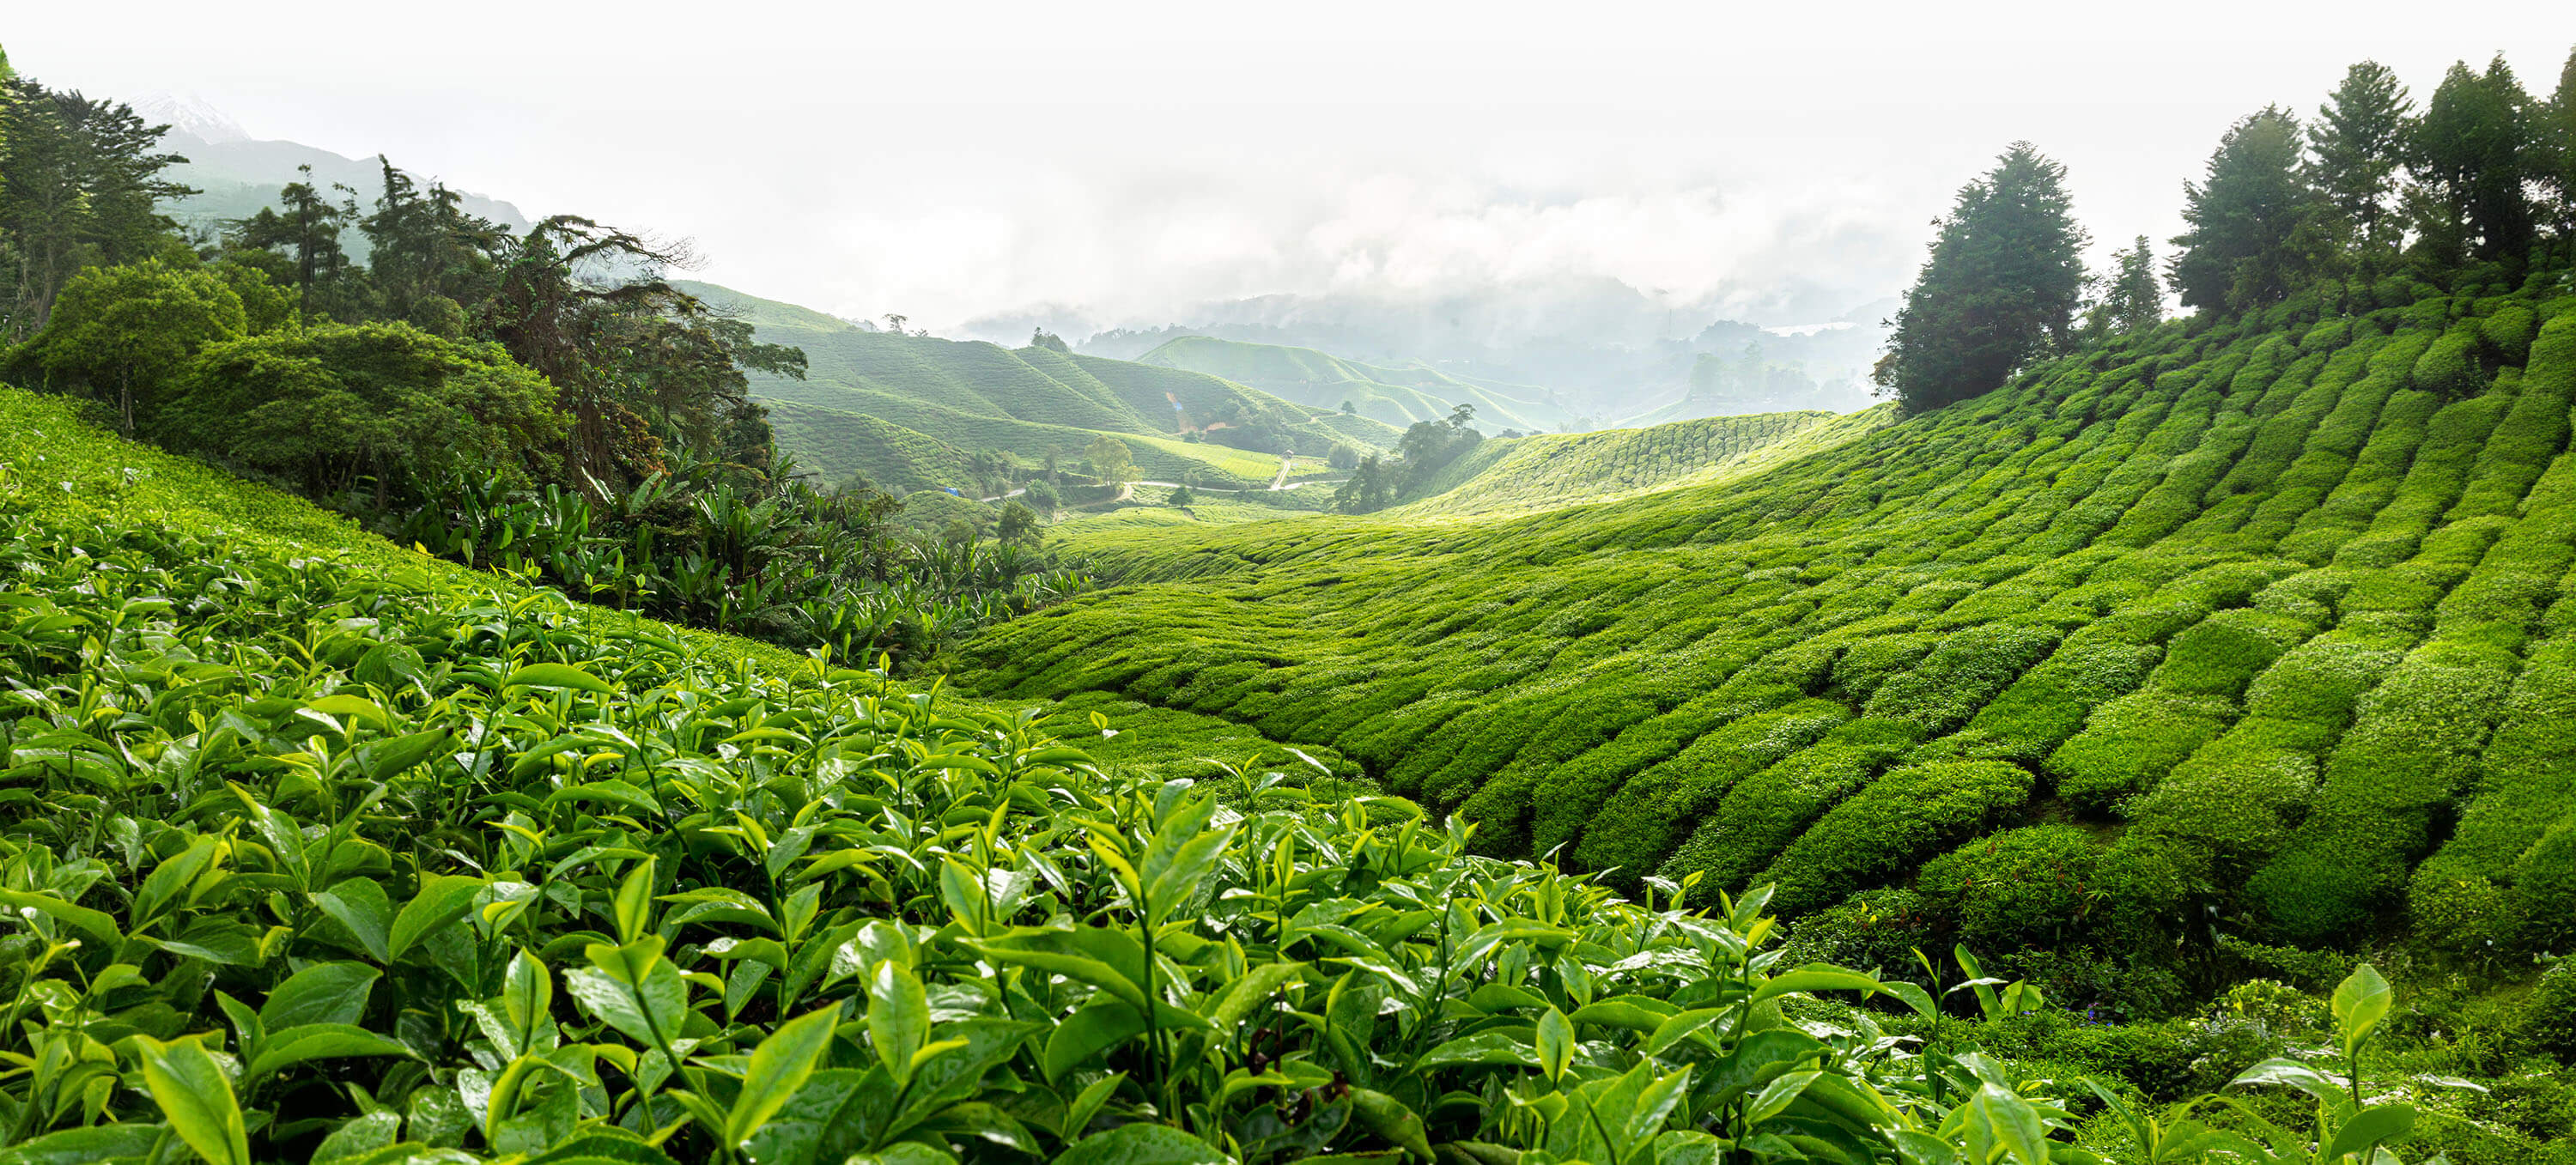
x: 2219, y: 639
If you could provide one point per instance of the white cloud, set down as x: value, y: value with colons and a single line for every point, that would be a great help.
x: 1130, y: 160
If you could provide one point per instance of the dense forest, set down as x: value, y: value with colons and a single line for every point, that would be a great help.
x: 546, y: 400
x: 441, y: 722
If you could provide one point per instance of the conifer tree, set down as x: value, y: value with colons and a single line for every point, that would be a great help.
x: 2253, y: 220
x: 2556, y: 137
x: 2473, y: 148
x: 2133, y: 298
x: 2000, y: 287
x: 2357, y: 146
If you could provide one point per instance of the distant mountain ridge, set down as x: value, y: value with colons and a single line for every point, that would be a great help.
x: 237, y: 174
x: 911, y: 411
x: 1398, y: 396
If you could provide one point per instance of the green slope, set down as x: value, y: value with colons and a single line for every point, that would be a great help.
x: 78, y: 470
x: 1029, y: 402
x: 2256, y: 626
x: 838, y: 445
x: 1396, y: 396
x: 1562, y: 469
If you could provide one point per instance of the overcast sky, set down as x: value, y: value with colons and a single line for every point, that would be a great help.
x: 1129, y: 160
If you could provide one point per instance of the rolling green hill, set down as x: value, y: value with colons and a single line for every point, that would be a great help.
x: 1029, y: 402
x: 2222, y: 640
x: 838, y: 445
x: 1553, y: 470
x: 1396, y: 396
x: 78, y: 471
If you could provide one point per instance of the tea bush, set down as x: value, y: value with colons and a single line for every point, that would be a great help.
x: 2257, y: 592
x: 309, y: 862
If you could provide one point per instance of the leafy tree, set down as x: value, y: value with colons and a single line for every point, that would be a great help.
x: 425, y: 255
x: 2253, y: 217
x: 1350, y: 408
x: 1184, y: 497
x: 1429, y: 446
x: 1043, y: 497
x: 1111, y: 460
x: 2357, y: 145
x: 308, y: 235
x: 1042, y: 338
x: 80, y: 186
x: 636, y: 363
x: 1371, y: 486
x: 2000, y: 287
x: 1342, y: 457
x: 265, y: 305
x: 329, y: 405
x: 122, y: 333
x: 2475, y: 152
x: 1018, y: 527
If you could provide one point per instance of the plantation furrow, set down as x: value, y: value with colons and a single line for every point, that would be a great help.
x: 2160, y: 612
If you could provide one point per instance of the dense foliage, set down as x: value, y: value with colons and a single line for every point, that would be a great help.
x: 2000, y: 287
x: 1039, y: 408
x: 312, y: 863
x: 2278, y: 600
x: 539, y: 400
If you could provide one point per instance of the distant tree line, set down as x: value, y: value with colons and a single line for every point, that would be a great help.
x: 2480, y: 181
x: 544, y: 400
x: 561, y: 350
x: 1426, y: 448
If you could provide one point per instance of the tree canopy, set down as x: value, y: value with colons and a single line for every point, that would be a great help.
x: 2001, y: 285
x: 330, y: 405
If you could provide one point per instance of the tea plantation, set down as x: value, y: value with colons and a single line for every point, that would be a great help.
x: 2156, y: 668
x: 323, y: 850
x: 1560, y: 469
x: 903, y: 409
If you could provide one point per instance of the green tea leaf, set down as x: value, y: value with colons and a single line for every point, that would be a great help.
x: 193, y: 1094
x: 2360, y: 1002
x: 1555, y: 1044
x: 898, y: 1017
x: 442, y: 899
x: 556, y: 675
x: 360, y: 906
x: 321, y: 993
x: 2368, y: 1128
x: 319, y: 1041
x: 1141, y: 1144
x: 81, y: 918
x: 779, y: 1066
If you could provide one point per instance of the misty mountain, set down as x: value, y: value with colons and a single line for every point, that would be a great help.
x: 1608, y: 349
x: 237, y: 174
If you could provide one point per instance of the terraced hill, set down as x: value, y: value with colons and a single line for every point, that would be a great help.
x: 1553, y: 470
x: 1396, y: 396
x: 78, y: 470
x: 1030, y: 403
x: 2222, y: 636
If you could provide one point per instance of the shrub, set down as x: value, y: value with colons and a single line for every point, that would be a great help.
x: 2449, y: 367
x: 2544, y: 888
x: 2130, y: 743
x: 1891, y: 826
x: 329, y: 405
x: 2549, y: 1013
x: 2018, y: 888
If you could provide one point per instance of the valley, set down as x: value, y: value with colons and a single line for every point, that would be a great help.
x: 470, y: 695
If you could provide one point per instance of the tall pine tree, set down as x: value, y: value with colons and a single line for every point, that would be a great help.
x: 2474, y: 151
x: 2132, y: 297
x: 2357, y: 146
x: 2557, y: 139
x: 2253, y: 217
x: 2000, y: 288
